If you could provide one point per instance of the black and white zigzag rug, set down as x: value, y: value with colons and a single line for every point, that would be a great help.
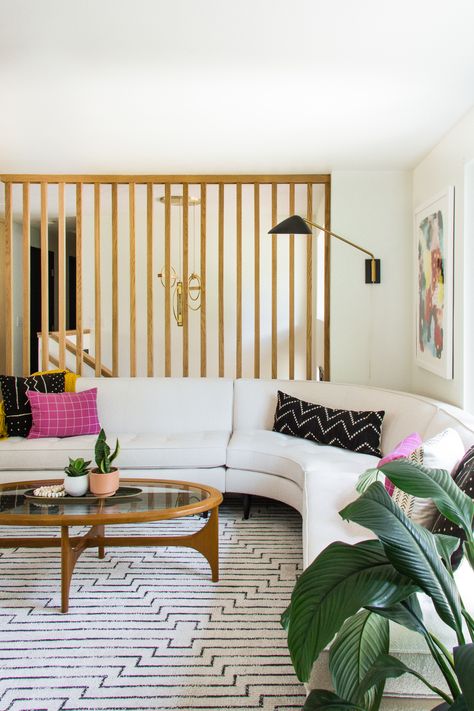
x: 147, y: 629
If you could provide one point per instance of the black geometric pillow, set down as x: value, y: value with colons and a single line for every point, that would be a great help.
x: 359, y: 431
x: 15, y: 401
x: 464, y: 478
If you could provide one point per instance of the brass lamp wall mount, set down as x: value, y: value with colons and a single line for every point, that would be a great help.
x: 296, y: 225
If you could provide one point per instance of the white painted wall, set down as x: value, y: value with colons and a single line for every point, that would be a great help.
x: 371, y: 324
x: 448, y: 164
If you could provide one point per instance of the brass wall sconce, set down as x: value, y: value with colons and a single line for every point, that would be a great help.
x: 296, y: 225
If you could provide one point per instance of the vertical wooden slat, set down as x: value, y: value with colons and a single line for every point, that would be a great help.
x: 256, y: 236
x: 44, y: 278
x: 309, y: 287
x: 115, y: 301
x: 132, y: 267
x: 97, y: 305
x: 61, y: 277
x: 149, y: 279
x: 8, y: 279
x: 274, y: 286
x: 327, y: 282
x: 238, y: 324
x: 79, y: 339
x: 26, y: 280
x: 203, y: 282
x: 185, y: 280
x: 221, y: 279
x: 167, y: 280
x: 291, y: 295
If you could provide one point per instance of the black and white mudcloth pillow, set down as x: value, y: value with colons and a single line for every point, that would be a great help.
x: 464, y: 477
x: 17, y: 408
x: 359, y: 431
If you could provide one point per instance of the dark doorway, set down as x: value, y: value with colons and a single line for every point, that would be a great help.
x: 35, y: 301
x: 71, y: 286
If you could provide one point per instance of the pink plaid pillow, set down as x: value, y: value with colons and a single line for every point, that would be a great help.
x: 403, y: 450
x: 63, y: 414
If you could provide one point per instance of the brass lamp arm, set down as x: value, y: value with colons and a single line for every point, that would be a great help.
x: 343, y: 239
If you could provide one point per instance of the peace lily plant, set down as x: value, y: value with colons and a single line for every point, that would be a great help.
x: 350, y: 592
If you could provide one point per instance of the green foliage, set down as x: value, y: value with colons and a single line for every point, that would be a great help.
x: 349, y: 592
x: 103, y: 455
x: 77, y: 467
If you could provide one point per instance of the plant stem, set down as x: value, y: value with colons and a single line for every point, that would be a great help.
x: 443, y: 666
x: 469, y: 622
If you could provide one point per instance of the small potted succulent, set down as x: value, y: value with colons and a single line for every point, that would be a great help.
x: 104, y: 479
x: 76, y: 481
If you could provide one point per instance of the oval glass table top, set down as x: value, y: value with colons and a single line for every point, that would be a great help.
x: 157, y: 500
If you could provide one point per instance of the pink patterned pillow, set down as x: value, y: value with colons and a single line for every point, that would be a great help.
x: 403, y: 450
x: 63, y: 414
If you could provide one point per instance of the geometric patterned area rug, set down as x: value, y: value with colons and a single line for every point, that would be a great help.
x: 147, y: 629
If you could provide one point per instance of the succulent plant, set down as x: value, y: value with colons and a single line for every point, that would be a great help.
x: 103, y: 455
x: 77, y: 467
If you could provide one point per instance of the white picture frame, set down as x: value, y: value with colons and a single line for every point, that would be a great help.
x: 434, y: 268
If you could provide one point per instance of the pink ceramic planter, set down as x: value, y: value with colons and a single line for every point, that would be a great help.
x: 102, y: 484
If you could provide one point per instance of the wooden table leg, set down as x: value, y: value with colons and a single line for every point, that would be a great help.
x: 101, y: 532
x: 206, y: 541
x: 67, y: 565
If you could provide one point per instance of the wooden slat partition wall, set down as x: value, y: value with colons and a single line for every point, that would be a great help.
x: 203, y: 281
x: 248, y: 255
x: 327, y: 282
x: 26, y: 279
x: 115, y: 301
x: 185, y: 281
x: 132, y: 267
x: 61, y: 276
x: 44, y: 277
x: 79, y: 339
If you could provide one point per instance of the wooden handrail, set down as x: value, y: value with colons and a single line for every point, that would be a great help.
x: 88, y: 359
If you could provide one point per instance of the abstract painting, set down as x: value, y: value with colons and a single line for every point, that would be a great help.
x: 434, y: 239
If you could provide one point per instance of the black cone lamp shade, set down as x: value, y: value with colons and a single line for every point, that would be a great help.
x: 293, y: 225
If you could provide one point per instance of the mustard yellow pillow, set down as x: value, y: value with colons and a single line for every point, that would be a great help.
x: 69, y: 378
x: 3, y: 426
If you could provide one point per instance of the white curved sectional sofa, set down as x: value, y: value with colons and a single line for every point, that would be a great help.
x: 219, y: 432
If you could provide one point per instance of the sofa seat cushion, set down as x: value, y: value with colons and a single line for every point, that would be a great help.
x: 291, y: 457
x: 190, y: 449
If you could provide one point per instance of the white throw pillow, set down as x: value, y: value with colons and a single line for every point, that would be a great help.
x: 443, y: 451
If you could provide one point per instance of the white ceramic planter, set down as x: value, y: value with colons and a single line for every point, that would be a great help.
x: 76, y: 485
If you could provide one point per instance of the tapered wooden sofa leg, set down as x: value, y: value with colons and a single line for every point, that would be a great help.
x: 247, y: 500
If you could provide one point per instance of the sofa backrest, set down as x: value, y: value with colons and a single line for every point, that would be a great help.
x: 255, y: 402
x: 162, y: 405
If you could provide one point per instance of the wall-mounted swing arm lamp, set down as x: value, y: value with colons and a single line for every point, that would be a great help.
x: 296, y: 225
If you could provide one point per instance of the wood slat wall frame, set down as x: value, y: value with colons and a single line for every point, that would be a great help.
x: 115, y: 299
x: 203, y: 258
x: 149, y: 280
x: 291, y: 290
x: 44, y: 277
x: 309, y: 286
x: 238, y: 320
x: 221, y: 280
x: 61, y: 276
x: 167, y: 280
x: 26, y: 279
x: 8, y: 279
x: 256, y: 237
x: 274, y: 285
x: 79, y: 337
x: 132, y: 267
x: 97, y: 281
x: 224, y: 179
x: 327, y: 282
x: 185, y: 280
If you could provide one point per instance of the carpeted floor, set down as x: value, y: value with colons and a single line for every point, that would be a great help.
x: 147, y: 629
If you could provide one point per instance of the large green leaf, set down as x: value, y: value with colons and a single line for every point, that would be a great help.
x: 366, y: 479
x: 446, y: 546
x: 341, y: 580
x: 388, y: 667
x: 407, y: 613
x: 434, y: 484
x: 362, y: 639
x: 320, y: 700
x: 410, y: 548
x: 464, y: 667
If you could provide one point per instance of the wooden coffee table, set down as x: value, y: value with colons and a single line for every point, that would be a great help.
x: 158, y: 501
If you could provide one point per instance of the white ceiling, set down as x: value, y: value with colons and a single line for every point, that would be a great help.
x: 230, y: 85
